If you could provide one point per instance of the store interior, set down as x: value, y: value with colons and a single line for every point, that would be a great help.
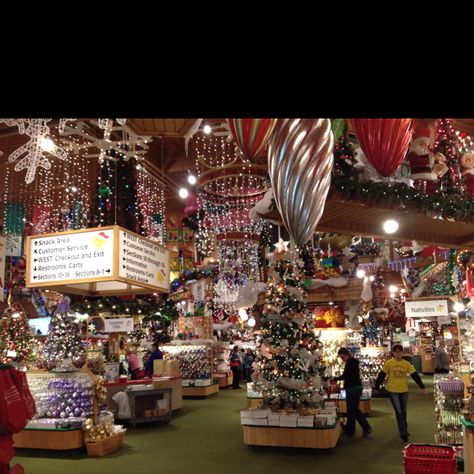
x: 172, y: 286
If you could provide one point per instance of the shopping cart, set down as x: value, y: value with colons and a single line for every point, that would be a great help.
x: 430, y: 458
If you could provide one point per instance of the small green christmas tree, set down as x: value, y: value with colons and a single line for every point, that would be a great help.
x: 63, y: 340
x: 15, y: 337
x: 289, y: 353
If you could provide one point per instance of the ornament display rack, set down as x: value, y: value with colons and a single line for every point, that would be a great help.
x: 221, y: 368
x: 196, y: 361
x: 332, y: 339
x: 449, y: 395
x: 371, y: 361
x: 38, y: 434
x: 426, y: 352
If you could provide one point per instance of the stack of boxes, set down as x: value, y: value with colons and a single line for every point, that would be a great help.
x: 161, y: 409
x: 257, y: 417
x: 312, y: 418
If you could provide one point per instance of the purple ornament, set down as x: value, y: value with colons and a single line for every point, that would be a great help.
x: 62, y: 414
x: 77, y: 412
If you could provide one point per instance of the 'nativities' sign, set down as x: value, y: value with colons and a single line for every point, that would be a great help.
x: 423, y: 309
x: 100, y: 261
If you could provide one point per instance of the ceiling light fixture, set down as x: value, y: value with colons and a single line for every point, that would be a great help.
x: 390, y: 226
x: 192, y: 179
x: 183, y: 193
x: 207, y: 129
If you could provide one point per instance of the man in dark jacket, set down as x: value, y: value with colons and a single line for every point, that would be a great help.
x: 353, y: 388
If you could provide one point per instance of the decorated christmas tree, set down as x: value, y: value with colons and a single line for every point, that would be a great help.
x: 15, y: 338
x: 447, y: 159
x: 64, y: 341
x: 289, y: 353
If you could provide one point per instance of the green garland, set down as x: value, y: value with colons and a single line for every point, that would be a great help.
x: 451, y: 262
x: 399, y: 194
x: 151, y: 311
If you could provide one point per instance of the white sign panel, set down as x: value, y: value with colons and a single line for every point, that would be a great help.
x: 198, y: 290
x: 118, y: 325
x: 423, y: 309
x: 14, y: 246
x: 71, y: 257
x: 444, y: 320
x: 3, y: 242
x: 143, y: 261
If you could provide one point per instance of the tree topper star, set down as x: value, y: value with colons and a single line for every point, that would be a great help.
x: 281, y: 246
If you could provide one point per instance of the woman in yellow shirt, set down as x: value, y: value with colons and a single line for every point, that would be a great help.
x: 397, y: 369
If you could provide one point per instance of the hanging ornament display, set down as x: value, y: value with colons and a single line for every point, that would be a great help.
x: 150, y: 203
x: 251, y: 135
x: 300, y: 160
x: 384, y: 142
x: 228, y: 187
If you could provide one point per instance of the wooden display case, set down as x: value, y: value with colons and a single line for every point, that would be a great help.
x: 364, y: 406
x: 60, y: 440
x: 201, y: 392
x: 323, y: 438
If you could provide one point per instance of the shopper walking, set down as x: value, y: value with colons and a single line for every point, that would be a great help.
x: 248, y: 361
x: 353, y: 388
x: 441, y: 359
x: 133, y: 367
x: 235, y: 363
x: 397, y: 369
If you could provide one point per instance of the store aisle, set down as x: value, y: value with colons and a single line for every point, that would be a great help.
x: 206, y: 437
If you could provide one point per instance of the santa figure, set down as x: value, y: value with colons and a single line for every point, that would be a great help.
x: 421, y: 159
x: 467, y: 163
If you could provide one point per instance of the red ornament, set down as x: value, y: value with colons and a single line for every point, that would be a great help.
x: 384, y: 142
x: 192, y: 205
x: 251, y: 135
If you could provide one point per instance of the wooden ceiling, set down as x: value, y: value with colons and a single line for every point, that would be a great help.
x: 168, y: 161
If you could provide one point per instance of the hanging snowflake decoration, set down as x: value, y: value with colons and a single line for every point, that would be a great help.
x: 116, y: 141
x: 32, y: 154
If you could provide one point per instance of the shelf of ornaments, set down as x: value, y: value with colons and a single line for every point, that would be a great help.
x: 195, y: 360
x: 64, y: 400
x: 449, y: 404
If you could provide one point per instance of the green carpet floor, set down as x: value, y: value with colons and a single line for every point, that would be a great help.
x: 205, y: 436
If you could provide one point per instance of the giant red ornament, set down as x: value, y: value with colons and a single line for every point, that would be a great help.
x: 384, y: 142
x: 251, y: 135
x: 192, y: 205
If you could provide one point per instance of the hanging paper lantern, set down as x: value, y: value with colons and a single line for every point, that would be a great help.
x: 251, y: 135
x: 384, y: 142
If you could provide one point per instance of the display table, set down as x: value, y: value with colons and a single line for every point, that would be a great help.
x: 316, y: 438
x: 58, y: 439
x: 468, y: 443
x: 201, y: 392
x: 224, y: 380
x: 254, y: 402
x: 364, y: 405
x: 173, y: 382
x: 142, y: 401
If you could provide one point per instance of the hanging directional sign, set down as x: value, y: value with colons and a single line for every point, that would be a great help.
x: 100, y: 261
